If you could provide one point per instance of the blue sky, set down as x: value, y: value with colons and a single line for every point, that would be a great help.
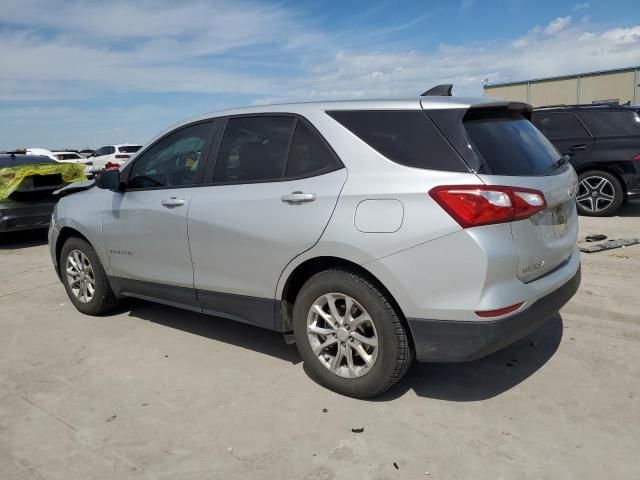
x: 84, y: 73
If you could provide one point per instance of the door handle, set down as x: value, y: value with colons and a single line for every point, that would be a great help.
x: 294, y: 198
x: 172, y: 202
x: 577, y: 148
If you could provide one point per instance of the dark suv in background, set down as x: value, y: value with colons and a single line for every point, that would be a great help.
x: 603, y: 144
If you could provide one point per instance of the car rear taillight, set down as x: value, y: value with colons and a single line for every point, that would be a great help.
x: 111, y: 166
x: 636, y: 157
x: 475, y: 205
x: 123, y: 157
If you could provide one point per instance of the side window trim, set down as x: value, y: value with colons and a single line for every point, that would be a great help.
x: 584, y: 125
x: 201, y: 166
x: 292, y: 135
x: 207, y: 179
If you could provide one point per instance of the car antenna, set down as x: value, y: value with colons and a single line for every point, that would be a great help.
x: 443, y: 90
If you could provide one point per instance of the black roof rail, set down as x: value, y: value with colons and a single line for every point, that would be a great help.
x: 586, y: 105
x: 443, y: 90
x: 559, y: 105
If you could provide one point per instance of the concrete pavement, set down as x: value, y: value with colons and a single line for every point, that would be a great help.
x: 152, y: 392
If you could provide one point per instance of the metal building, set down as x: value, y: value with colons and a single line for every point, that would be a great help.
x: 617, y: 86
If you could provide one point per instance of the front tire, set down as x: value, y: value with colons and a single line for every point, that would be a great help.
x: 84, y: 278
x: 349, y: 335
x: 600, y: 194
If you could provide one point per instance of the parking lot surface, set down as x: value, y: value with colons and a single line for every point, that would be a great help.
x: 153, y: 392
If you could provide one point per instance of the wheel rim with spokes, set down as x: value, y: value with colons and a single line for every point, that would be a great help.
x: 342, y: 335
x: 595, y: 193
x: 80, y: 276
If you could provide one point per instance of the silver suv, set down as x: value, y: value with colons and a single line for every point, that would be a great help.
x: 368, y: 232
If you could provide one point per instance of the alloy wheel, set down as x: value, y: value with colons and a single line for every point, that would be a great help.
x: 342, y: 335
x: 80, y: 276
x: 595, y: 193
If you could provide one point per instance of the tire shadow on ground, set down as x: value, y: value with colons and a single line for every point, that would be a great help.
x: 23, y: 239
x: 484, y: 378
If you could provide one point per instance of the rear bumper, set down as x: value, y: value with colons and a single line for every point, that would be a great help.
x: 461, y: 341
x: 16, y: 216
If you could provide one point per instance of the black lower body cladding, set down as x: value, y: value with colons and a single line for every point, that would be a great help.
x: 458, y: 341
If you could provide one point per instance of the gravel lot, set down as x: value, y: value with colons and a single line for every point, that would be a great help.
x: 158, y: 393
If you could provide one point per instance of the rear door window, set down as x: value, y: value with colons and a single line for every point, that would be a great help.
x: 612, y: 123
x: 509, y: 144
x: 406, y: 137
x: 559, y: 125
x: 253, y: 149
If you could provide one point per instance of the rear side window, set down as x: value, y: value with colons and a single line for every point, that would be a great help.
x: 612, y: 123
x: 309, y: 155
x: 559, y: 125
x: 509, y: 144
x: 404, y: 136
x: 129, y: 148
x: 253, y: 149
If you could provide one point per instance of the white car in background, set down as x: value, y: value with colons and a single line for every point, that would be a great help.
x: 74, y: 157
x: 69, y: 157
x: 113, y: 156
x: 41, y: 151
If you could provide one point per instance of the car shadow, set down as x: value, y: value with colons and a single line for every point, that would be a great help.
x: 629, y: 209
x: 457, y: 382
x: 220, y: 329
x: 484, y: 378
x: 23, y: 239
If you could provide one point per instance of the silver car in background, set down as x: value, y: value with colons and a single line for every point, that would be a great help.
x: 368, y: 232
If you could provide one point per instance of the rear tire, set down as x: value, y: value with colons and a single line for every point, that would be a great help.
x: 368, y: 352
x: 600, y: 194
x: 84, y: 278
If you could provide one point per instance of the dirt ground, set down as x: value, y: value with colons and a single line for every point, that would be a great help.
x: 153, y: 392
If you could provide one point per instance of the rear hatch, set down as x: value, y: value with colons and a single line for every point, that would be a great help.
x: 508, y: 150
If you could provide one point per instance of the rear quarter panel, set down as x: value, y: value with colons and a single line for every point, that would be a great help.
x: 373, y: 177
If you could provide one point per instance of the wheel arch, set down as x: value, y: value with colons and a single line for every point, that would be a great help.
x: 609, y: 167
x: 306, y: 269
x: 65, y: 234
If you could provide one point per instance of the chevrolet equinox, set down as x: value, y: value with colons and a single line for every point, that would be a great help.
x: 369, y: 232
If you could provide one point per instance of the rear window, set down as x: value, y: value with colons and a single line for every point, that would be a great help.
x: 68, y: 156
x: 407, y: 137
x: 509, y: 144
x: 8, y: 160
x: 612, y: 123
x: 129, y: 148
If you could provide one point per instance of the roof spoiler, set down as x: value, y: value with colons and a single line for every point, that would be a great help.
x: 443, y: 90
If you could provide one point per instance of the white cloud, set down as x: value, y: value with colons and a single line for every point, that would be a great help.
x: 557, y: 25
x: 255, y: 53
x: 623, y: 36
x: 581, y: 6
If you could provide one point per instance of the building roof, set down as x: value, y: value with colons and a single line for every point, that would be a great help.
x: 562, y: 77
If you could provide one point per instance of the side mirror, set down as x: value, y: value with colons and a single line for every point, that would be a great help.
x: 108, y: 180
